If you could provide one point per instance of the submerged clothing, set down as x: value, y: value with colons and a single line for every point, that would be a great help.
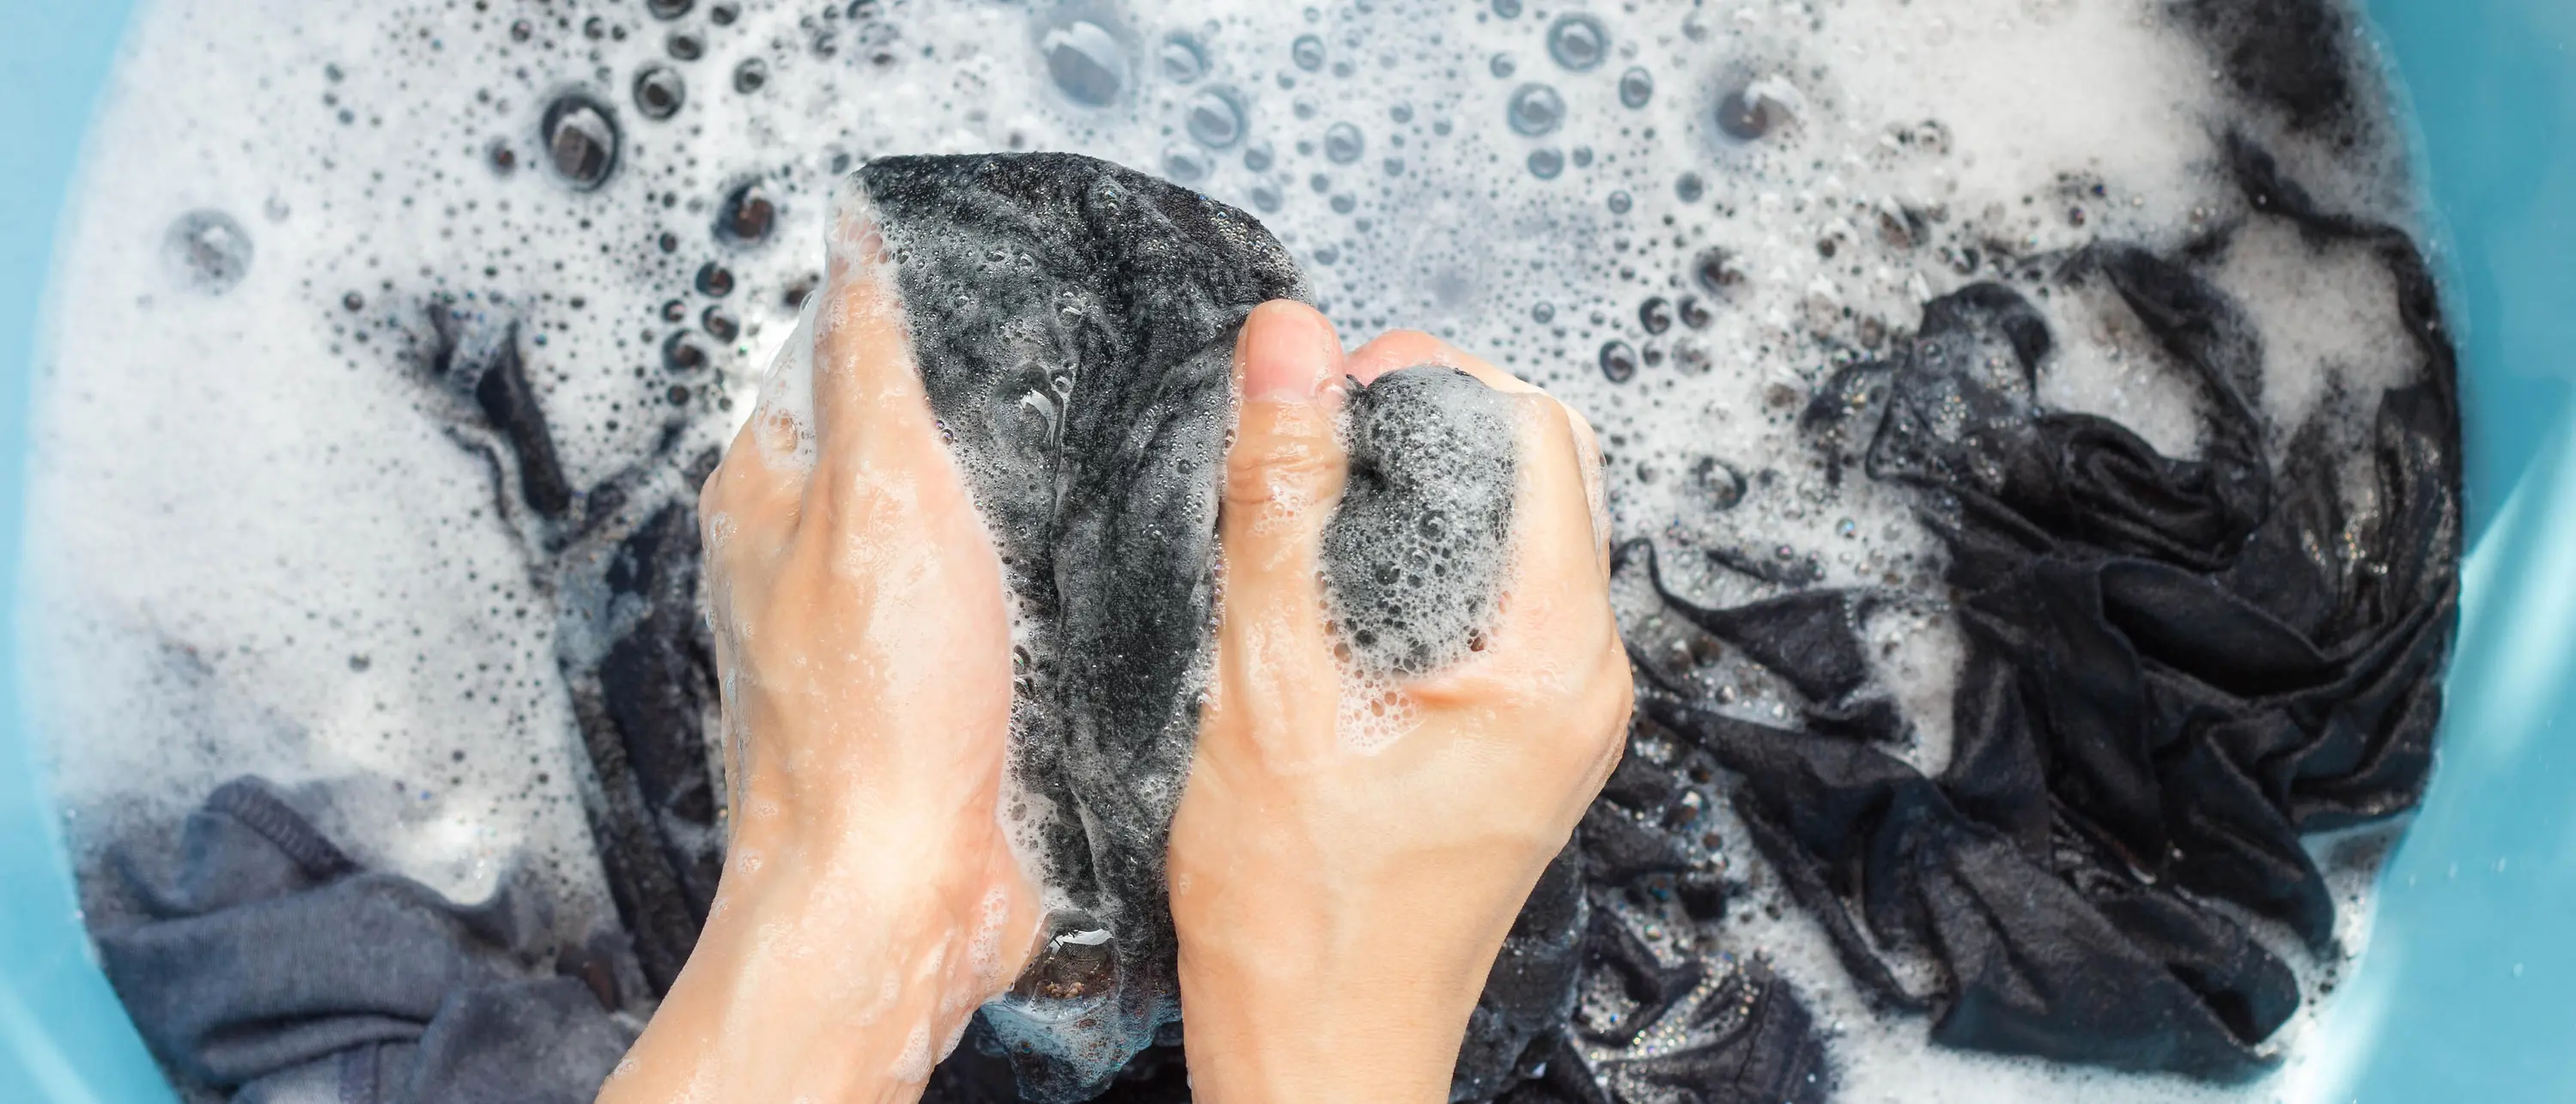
x: 274, y: 968
x: 2175, y: 669
x: 1074, y: 323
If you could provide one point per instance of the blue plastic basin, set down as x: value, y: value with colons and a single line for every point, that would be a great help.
x: 2468, y: 989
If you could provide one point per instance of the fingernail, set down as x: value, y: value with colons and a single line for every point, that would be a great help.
x: 1289, y: 352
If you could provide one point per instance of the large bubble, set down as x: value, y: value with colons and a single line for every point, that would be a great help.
x: 1535, y: 109
x: 1578, y: 41
x: 659, y: 91
x: 1636, y: 86
x: 1343, y: 144
x: 209, y: 249
x: 581, y: 141
x: 1086, y: 62
x: 1180, y: 60
x: 1214, y: 119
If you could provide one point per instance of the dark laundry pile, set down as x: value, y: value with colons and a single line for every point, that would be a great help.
x: 1094, y: 441
x: 270, y: 966
x: 2175, y: 670
x: 2181, y: 650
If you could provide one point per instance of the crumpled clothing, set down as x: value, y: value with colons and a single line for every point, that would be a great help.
x: 2175, y: 669
x: 1088, y: 395
x: 276, y: 969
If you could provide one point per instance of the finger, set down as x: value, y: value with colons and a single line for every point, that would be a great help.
x: 1555, y: 625
x: 1283, y: 476
x: 1413, y: 348
x: 868, y: 394
x: 749, y: 507
x: 1587, y: 455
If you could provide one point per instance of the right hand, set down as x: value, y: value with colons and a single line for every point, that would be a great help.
x: 1338, y: 908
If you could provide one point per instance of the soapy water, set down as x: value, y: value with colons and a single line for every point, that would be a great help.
x: 257, y: 545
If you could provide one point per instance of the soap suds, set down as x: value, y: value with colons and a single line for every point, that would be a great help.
x: 254, y: 546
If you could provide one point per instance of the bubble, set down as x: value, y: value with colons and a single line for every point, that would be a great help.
x: 581, y: 141
x: 1343, y: 144
x: 501, y: 157
x: 1582, y: 156
x: 749, y: 76
x: 1086, y: 62
x: 683, y: 352
x: 1394, y: 166
x: 1307, y: 52
x: 1716, y: 272
x: 1546, y: 163
x: 1690, y: 187
x: 1543, y: 313
x: 1402, y: 113
x: 1345, y: 203
x: 1186, y: 164
x: 659, y: 91
x: 1719, y: 480
x: 1744, y: 115
x: 1636, y: 86
x: 748, y: 215
x: 1535, y: 109
x: 1621, y: 203
x: 715, y: 279
x: 1508, y: 9
x: 1214, y: 119
x: 685, y: 45
x: 669, y: 9
x: 674, y: 310
x: 353, y: 302
x: 1655, y: 314
x: 1259, y: 158
x: 1690, y: 357
x: 1577, y: 41
x: 1502, y: 66
x: 1266, y: 197
x: 210, y: 249
x: 1618, y: 361
x: 1180, y: 60
x: 1694, y: 313
x: 721, y: 324
x: 723, y: 13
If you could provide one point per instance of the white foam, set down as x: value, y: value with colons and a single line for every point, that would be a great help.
x: 238, y: 500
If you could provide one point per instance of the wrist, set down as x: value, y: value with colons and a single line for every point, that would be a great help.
x: 1370, y: 1014
x: 832, y: 967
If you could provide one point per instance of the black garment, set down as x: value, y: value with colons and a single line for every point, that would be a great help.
x: 2174, y: 669
x: 276, y: 969
x: 1074, y: 324
x: 621, y: 562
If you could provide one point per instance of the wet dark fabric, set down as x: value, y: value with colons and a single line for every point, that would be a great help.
x: 2175, y: 668
x: 275, y: 969
x: 621, y: 558
x: 1074, y: 323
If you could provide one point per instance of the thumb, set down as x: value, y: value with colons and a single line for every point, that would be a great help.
x: 1283, y: 477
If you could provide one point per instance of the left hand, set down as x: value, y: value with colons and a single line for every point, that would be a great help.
x: 870, y: 898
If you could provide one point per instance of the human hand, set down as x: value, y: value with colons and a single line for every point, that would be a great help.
x: 870, y: 899
x: 1338, y: 908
